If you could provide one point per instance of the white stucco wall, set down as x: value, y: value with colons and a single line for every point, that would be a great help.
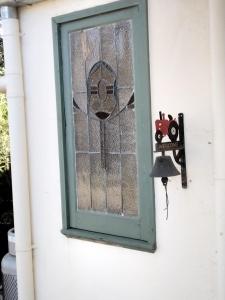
x: 184, y: 265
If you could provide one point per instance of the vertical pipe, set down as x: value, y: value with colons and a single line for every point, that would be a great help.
x: 18, y: 145
x: 217, y: 46
x: 2, y: 84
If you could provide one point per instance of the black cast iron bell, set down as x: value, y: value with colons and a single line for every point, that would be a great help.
x: 164, y: 167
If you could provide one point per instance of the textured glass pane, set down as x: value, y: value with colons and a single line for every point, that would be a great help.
x: 109, y: 104
x: 127, y: 129
x: 129, y: 184
x: 83, y: 181
x: 78, y: 45
x: 114, y: 199
x: 98, y: 183
x: 96, y: 77
x: 109, y: 76
x: 108, y: 46
x: 104, y: 118
x: 94, y: 104
x: 94, y: 135
x: 101, y: 87
x: 112, y: 135
x: 80, y: 101
x: 124, y: 96
x: 124, y: 54
x: 92, y: 51
x: 81, y: 131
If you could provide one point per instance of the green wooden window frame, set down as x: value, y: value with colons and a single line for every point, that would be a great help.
x: 133, y: 232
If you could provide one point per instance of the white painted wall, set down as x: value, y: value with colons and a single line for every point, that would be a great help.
x: 217, y: 50
x: 184, y: 265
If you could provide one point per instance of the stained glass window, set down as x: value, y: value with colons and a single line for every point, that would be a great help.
x: 104, y: 124
x: 104, y: 118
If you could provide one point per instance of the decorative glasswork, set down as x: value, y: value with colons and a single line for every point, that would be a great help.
x: 104, y: 118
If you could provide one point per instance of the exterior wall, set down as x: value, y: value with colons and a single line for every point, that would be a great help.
x: 217, y: 50
x: 184, y: 265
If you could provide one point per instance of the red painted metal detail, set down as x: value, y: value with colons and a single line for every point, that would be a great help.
x: 166, y: 127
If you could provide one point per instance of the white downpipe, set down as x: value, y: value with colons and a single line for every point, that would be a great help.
x: 18, y: 144
x: 217, y: 41
x: 2, y: 84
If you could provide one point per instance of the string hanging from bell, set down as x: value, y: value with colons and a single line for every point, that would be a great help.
x: 164, y: 182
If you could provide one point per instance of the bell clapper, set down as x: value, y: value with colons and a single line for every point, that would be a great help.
x: 164, y: 182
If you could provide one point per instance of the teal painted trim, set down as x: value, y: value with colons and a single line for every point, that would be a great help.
x: 60, y: 122
x: 110, y: 239
x: 112, y: 224
x: 144, y: 129
x: 99, y: 20
x: 69, y: 135
x: 137, y: 11
x: 96, y: 11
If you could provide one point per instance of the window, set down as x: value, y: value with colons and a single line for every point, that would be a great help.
x: 102, y: 80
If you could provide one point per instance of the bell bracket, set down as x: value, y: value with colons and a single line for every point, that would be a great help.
x: 175, y: 131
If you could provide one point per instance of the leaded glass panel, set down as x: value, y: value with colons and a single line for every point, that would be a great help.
x: 104, y: 118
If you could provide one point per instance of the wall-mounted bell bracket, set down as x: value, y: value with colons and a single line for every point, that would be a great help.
x: 175, y: 131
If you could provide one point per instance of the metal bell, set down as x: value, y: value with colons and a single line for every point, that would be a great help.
x: 164, y: 167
